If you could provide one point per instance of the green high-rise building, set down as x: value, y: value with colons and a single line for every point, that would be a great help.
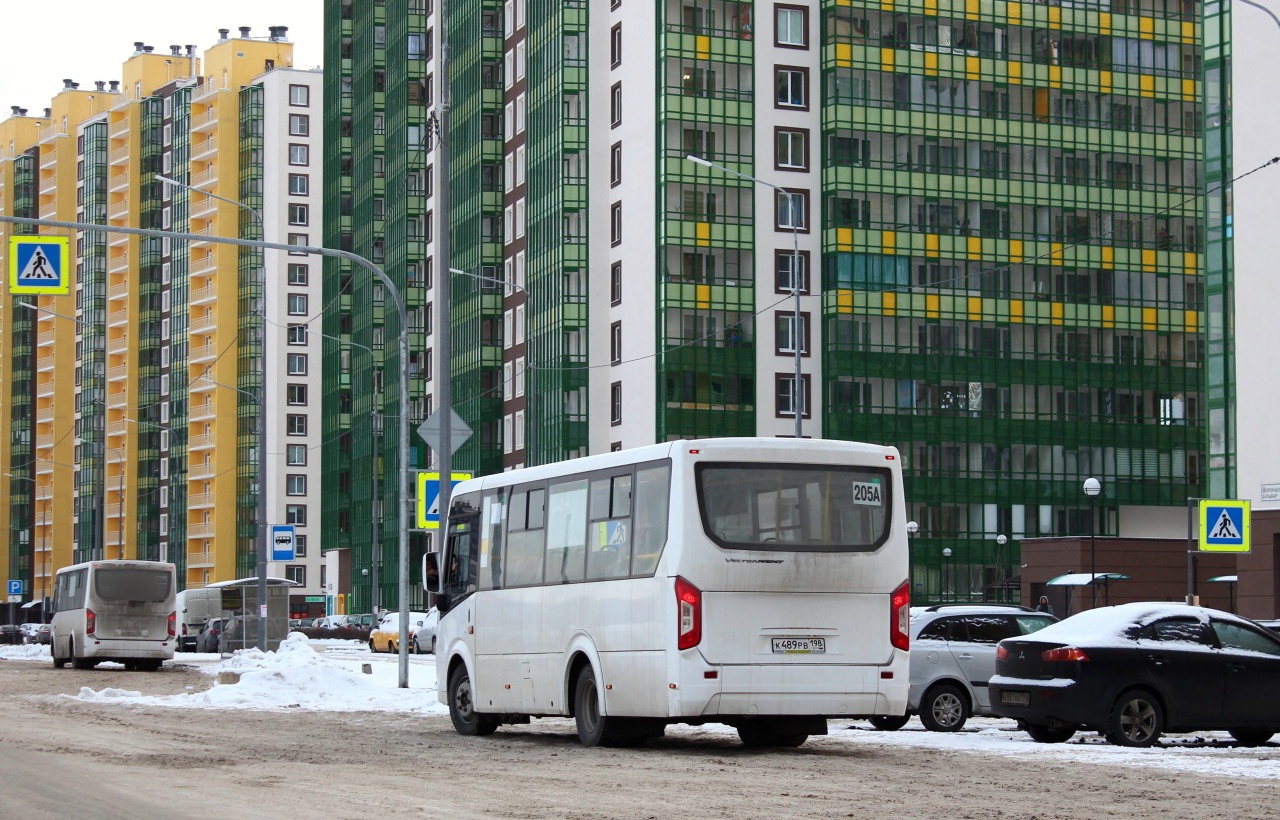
x: 993, y: 212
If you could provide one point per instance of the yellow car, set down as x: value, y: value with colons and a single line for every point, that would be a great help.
x: 385, y: 637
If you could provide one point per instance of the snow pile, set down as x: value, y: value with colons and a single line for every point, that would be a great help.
x: 294, y: 677
x: 25, y: 652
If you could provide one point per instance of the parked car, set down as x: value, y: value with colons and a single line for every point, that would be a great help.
x: 953, y: 655
x: 1136, y: 671
x: 1274, y: 626
x: 207, y: 640
x: 44, y: 634
x: 386, y: 637
x: 424, y: 639
x: 29, y: 631
x: 365, y: 620
x: 10, y: 633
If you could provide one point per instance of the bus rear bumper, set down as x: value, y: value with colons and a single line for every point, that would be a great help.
x: 107, y: 650
x: 808, y: 689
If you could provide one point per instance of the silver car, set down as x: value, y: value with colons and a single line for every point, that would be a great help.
x: 953, y: 656
x: 424, y: 639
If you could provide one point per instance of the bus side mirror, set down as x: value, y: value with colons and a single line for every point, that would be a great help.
x: 431, y: 572
x: 443, y: 602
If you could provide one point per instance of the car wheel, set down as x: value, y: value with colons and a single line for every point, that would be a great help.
x: 372, y: 647
x: 889, y: 723
x: 944, y: 708
x: 466, y: 720
x: 1137, y: 719
x: 1252, y: 737
x: 1049, y: 734
x: 417, y: 647
x: 433, y: 644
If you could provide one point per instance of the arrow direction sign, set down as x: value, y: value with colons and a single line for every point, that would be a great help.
x: 459, y: 432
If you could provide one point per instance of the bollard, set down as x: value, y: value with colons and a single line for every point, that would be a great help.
x: 366, y: 668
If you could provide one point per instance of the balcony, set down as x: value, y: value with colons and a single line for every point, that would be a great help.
x: 198, y: 558
x: 202, y: 178
x: 201, y: 530
x: 46, y: 337
x: 120, y: 289
x: 197, y: 500
x: 119, y: 182
x: 204, y: 265
x: 204, y: 324
x: 204, y: 470
x: 205, y: 148
x: 204, y: 121
x: 201, y: 442
x: 118, y: 317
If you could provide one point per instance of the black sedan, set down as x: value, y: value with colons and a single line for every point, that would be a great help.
x: 1136, y: 671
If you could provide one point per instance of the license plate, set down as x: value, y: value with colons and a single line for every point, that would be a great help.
x: 129, y: 633
x: 799, y: 646
x: 1016, y: 698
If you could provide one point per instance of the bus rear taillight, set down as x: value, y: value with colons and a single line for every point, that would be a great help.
x: 900, y: 616
x: 173, y: 620
x: 90, y: 622
x: 688, y: 614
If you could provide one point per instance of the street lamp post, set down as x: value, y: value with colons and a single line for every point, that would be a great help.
x: 793, y: 203
x: 261, y: 511
x: 912, y: 529
x: 1001, y: 540
x: 401, y: 312
x: 1092, y: 488
x: 948, y: 575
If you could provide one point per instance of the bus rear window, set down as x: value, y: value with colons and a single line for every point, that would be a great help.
x: 147, y: 585
x: 815, y: 508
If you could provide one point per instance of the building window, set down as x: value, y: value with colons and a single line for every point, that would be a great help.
x: 298, y: 275
x: 785, y: 333
x: 297, y: 304
x: 296, y: 573
x: 791, y: 26
x: 785, y: 391
x: 793, y: 209
x: 615, y: 403
x: 297, y: 214
x: 615, y: 164
x: 785, y: 281
x: 301, y: 240
x: 295, y: 455
x: 295, y: 514
x: 295, y: 484
x: 297, y: 393
x: 792, y: 87
x: 792, y: 149
x: 299, y: 546
x: 615, y: 283
x: 299, y: 184
x: 299, y: 154
x: 300, y: 95
x: 615, y: 343
x: 615, y: 105
x: 297, y: 334
x: 615, y: 223
x: 296, y: 424
x: 299, y: 125
x: 297, y: 364
x: 615, y: 46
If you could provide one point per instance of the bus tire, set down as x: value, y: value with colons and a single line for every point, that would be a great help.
x: 466, y: 720
x: 763, y: 734
x: 76, y: 663
x: 58, y: 662
x: 595, y: 729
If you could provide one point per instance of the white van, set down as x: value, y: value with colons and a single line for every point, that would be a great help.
x: 122, y: 611
x: 195, y: 607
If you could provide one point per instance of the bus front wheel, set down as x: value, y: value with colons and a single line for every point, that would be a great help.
x: 466, y: 720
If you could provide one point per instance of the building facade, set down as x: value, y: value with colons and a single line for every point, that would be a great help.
x: 994, y: 214
x: 137, y: 431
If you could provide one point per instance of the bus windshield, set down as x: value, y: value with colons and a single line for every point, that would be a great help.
x: 816, y: 508
x: 128, y: 584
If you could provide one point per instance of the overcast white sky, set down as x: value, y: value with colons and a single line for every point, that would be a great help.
x: 44, y: 41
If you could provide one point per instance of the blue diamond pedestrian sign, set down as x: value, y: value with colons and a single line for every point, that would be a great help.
x: 39, y: 264
x: 428, y: 507
x: 1224, y: 525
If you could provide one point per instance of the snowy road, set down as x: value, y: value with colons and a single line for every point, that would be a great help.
x: 306, y: 733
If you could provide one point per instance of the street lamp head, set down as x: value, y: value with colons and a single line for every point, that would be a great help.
x: 1001, y: 540
x: 946, y: 552
x: 703, y: 162
x: 1092, y: 487
x: 912, y: 528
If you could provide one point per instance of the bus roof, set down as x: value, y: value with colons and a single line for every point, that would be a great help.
x: 116, y: 562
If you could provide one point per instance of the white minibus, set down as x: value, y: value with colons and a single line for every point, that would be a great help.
x: 755, y: 582
x: 123, y: 611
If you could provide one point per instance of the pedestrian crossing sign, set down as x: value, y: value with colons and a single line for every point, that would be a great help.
x: 428, y: 506
x: 1224, y: 525
x: 39, y: 264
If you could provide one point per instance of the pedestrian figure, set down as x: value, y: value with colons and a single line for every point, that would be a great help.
x: 1044, y: 605
x: 37, y: 270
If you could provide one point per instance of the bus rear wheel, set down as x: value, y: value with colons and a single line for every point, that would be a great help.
x: 594, y: 729
x: 761, y: 734
x: 466, y: 720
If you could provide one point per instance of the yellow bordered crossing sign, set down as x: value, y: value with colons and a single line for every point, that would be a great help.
x: 428, y: 506
x: 1224, y: 525
x: 39, y: 264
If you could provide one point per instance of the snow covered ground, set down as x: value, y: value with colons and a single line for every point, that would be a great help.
x: 326, y: 676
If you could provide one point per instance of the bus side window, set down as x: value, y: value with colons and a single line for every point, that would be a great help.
x: 649, y: 518
x: 566, y: 532
x: 522, y: 552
